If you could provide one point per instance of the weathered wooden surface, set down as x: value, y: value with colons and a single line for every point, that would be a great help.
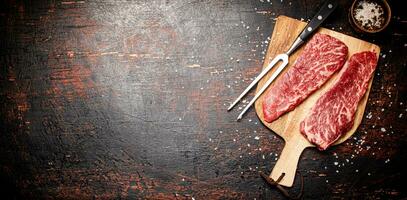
x: 127, y: 99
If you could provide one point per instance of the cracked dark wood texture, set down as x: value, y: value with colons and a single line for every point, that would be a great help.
x: 127, y: 99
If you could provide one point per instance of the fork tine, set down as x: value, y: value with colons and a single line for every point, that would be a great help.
x: 255, y: 81
x: 280, y: 57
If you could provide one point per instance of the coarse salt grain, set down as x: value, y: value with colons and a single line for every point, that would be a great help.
x: 369, y: 15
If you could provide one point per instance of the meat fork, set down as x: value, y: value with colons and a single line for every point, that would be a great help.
x: 309, y: 29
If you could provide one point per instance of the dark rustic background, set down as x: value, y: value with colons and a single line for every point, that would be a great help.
x: 127, y: 99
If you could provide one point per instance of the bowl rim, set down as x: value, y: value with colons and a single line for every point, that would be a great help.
x: 386, y: 7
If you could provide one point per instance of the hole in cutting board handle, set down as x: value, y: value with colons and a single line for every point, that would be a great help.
x: 288, y: 161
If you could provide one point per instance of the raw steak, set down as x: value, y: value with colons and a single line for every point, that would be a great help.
x: 320, y: 59
x: 334, y: 113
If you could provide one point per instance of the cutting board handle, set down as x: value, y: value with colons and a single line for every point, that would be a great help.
x: 288, y: 161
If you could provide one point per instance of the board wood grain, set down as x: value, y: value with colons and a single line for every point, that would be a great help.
x: 287, y: 126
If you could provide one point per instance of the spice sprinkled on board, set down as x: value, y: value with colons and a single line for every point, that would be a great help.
x: 369, y: 15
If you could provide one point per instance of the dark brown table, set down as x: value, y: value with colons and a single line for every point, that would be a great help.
x: 127, y: 99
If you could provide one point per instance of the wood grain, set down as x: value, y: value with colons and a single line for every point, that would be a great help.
x: 127, y: 100
x: 287, y: 126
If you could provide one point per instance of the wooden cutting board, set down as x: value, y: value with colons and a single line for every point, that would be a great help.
x: 288, y: 126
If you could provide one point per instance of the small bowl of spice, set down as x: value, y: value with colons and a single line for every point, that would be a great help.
x: 370, y: 16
